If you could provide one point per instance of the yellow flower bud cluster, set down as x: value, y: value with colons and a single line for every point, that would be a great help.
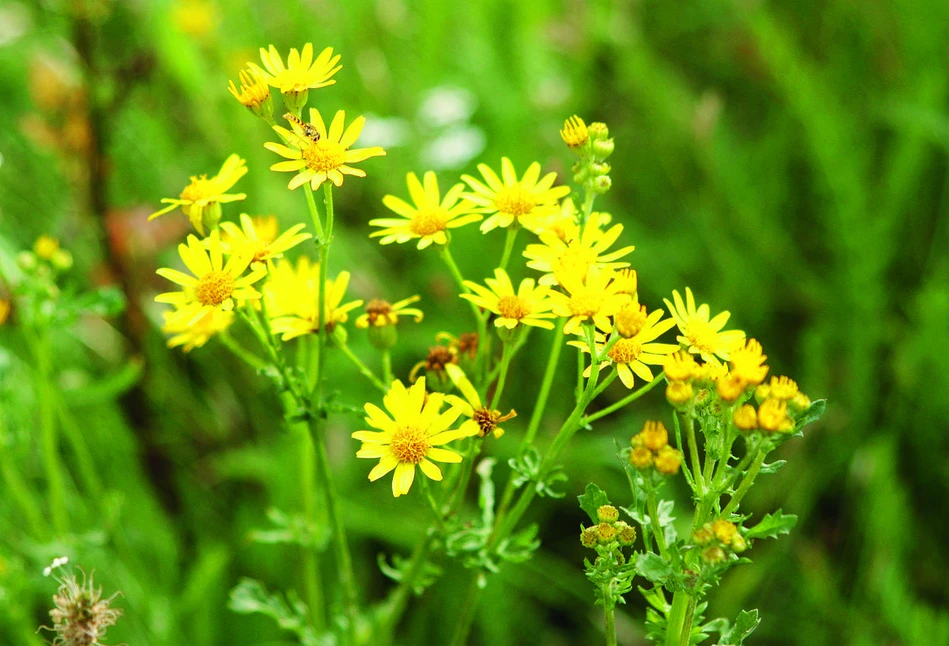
x: 651, y: 449
x: 717, y: 539
x: 594, y: 145
x: 780, y: 403
x: 610, y: 532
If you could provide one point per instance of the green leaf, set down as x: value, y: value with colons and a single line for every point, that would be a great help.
x: 773, y: 467
x: 486, y: 491
x: 772, y: 525
x: 654, y: 568
x: 250, y: 596
x: 592, y: 499
x: 813, y: 413
x: 746, y: 623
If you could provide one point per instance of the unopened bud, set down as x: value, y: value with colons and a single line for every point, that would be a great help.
x: 679, y: 393
x: 602, y: 148
x: 588, y: 537
x: 713, y: 554
x: 383, y: 337
x: 668, y: 461
x: 607, y: 514
x: 640, y: 457
x: 605, y: 533
x: 626, y: 534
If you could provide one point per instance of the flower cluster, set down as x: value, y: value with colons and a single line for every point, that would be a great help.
x: 651, y: 449
x: 610, y: 532
x: 719, y: 540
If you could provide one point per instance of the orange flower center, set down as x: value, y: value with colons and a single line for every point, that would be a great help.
x: 425, y: 222
x: 514, y: 200
x: 625, y: 351
x: 513, y: 307
x: 323, y: 156
x: 701, y: 335
x: 409, y: 444
x: 214, y: 288
x: 200, y: 188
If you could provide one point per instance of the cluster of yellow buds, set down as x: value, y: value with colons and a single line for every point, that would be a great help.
x: 717, y: 539
x: 651, y: 449
x: 46, y: 249
x: 594, y: 145
x: 691, y: 382
x: 609, y: 530
x: 780, y: 403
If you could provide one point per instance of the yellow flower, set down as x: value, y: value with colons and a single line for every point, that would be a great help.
x: 430, y: 218
x: 214, y: 286
x: 701, y: 334
x: 306, y: 319
x: 411, y: 436
x: 530, y: 305
x: 201, y: 199
x: 289, y: 289
x: 574, y: 132
x: 747, y: 363
x: 380, y: 313
x: 633, y: 356
x: 575, y: 255
x: 254, y: 93
x: 325, y: 158
x: 526, y: 201
x: 45, y: 247
x: 301, y: 72
x: 197, y: 334
x: 258, y: 237
x: 590, y: 297
x: 481, y: 419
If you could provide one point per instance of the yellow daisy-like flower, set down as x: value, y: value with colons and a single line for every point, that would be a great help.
x: 306, y: 319
x: 633, y: 356
x: 326, y: 158
x: 701, y: 334
x: 258, y: 237
x: 214, y: 285
x: 529, y: 305
x: 380, y: 313
x: 430, y: 218
x: 526, y: 201
x: 201, y: 199
x: 593, y: 296
x: 411, y: 436
x: 289, y: 289
x: 575, y: 255
x: 481, y: 421
x: 301, y: 73
x: 197, y: 334
x: 254, y: 93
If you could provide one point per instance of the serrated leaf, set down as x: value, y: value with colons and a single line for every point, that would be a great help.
x: 772, y: 525
x: 654, y: 568
x: 592, y: 499
x: 813, y: 413
x: 250, y: 596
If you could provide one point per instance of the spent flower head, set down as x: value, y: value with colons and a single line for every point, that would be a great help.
x: 201, y: 199
x: 430, y: 217
x: 482, y: 421
x: 81, y: 616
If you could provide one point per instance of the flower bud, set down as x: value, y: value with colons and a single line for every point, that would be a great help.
x: 746, y: 418
x: 383, y: 337
x: 654, y: 435
x: 295, y: 101
x: 724, y: 530
x: 45, y: 246
x: 799, y: 404
x: 762, y: 392
x: 605, y: 533
x: 626, y: 534
x: 602, y: 148
x: 713, y: 555
x: 679, y: 367
x: 668, y: 461
x: 602, y: 184
x: 588, y: 537
x: 574, y: 132
x: 679, y: 393
x: 598, y: 130
x: 729, y: 387
x: 703, y: 535
x: 640, y: 457
x: 738, y: 543
x: 772, y: 416
x: 783, y: 388
x: 607, y: 514
x: 61, y: 260
x: 26, y: 260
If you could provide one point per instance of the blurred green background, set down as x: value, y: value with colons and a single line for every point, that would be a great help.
x: 786, y: 160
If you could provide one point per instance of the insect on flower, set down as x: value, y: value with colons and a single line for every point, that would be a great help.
x: 308, y: 129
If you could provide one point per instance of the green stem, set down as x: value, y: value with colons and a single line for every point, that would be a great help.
x: 654, y: 520
x: 675, y: 620
x: 49, y: 436
x: 77, y: 440
x: 21, y: 493
x: 249, y: 358
x: 508, y: 246
x: 363, y: 368
x: 314, y: 213
x: 608, y: 619
x: 344, y: 559
x: 506, y: 353
x: 463, y: 627
x: 387, y: 366
x: 694, y: 454
x: 399, y: 599
x: 484, y: 343
x: 633, y: 396
x: 745, y: 484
